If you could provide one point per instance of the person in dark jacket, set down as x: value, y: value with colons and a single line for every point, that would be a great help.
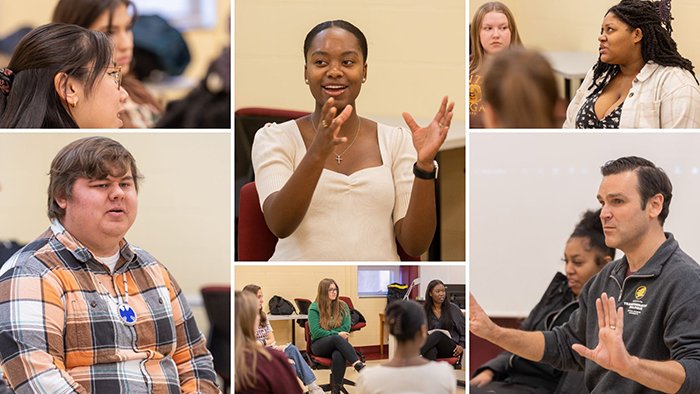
x: 444, y: 318
x: 585, y: 254
x: 637, y: 327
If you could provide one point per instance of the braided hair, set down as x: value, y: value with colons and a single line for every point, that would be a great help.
x: 653, y: 18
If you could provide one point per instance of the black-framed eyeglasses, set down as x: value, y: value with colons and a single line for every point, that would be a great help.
x: 333, y: 289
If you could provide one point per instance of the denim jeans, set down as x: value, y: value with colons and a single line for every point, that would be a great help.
x: 302, y: 369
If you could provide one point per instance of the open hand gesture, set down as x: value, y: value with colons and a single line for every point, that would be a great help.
x: 479, y: 322
x: 427, y: 140
x: 611, y: 352
x: 328, y: 128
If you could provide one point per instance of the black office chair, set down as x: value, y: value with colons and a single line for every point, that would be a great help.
x: 217, y: 302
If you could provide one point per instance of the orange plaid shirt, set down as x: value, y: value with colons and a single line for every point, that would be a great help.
x: 61, y: 331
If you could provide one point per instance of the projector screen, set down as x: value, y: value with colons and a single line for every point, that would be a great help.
x: 527, y: 192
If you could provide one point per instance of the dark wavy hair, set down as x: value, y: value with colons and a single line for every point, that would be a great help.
x: 591, y: 228
x: 653, y: 18
x: 44, y: 52
x: 651, y: 180
x: 345, y: 25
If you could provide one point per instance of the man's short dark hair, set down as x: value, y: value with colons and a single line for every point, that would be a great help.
x: 91, y: 158
x: 651, y: 180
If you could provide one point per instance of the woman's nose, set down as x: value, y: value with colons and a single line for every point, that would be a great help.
x: 123, y: 95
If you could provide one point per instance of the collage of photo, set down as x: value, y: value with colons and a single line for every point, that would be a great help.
x: 356, y: 197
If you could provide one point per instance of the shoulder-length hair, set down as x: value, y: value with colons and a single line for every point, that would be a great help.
x: 331, y: 312
x: 246, y: 347
x: 33, y: 101
x: 476, y: 57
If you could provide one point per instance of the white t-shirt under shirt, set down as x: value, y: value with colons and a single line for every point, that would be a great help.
x: 351, y: 217
x: 109, y: 261
x: 435, y: 377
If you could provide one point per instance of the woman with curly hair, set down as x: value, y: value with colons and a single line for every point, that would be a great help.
x: 640, y: 79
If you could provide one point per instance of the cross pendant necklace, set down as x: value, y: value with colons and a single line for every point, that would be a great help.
x: 339, y: 156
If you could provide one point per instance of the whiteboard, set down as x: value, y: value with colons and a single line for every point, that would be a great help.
x: 527, y: 191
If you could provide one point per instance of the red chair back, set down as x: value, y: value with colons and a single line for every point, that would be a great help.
x: 320, y: 361
x: 255, y: 240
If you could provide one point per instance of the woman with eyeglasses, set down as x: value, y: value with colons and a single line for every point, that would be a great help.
x: 446, y: 324
x: 329, y: 326
x: 61, y: 76
x: 116, y: 19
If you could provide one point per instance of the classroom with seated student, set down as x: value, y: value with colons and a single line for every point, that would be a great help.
x: 391, y: 329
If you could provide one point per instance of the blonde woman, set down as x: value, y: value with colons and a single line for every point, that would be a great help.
x: 329, y: 323
x: 258, y: 370
x: 492, y: 30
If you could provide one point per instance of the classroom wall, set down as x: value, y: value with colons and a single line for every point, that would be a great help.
x: 204, y: 45
x: 572, y: 25
x: 528, y: 191
x: 302, y: 282
x: 184, y: 200
x: 416, y: 53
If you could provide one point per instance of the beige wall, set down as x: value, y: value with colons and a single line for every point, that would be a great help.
x: 574, y: 25
x: 184, y: 201
x: 204, y: 45
x: 302, y: 282
x: 416, y: 53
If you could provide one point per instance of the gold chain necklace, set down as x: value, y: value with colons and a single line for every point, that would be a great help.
x: 339, y: 157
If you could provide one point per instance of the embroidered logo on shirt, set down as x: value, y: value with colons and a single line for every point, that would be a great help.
x: 640, y: 292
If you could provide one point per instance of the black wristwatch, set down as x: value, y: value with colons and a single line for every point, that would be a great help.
x: 426, y: 175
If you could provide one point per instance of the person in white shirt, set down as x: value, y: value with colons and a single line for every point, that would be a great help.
x: 336, y: 186
x: 640, y: 79
x: 407, y: 371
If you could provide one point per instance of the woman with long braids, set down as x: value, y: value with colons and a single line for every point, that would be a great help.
x: 640, y: 79
x: 329, y: 326
x: 443, y: 317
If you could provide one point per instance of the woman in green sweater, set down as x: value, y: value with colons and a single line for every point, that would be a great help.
x: 329, y: 323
